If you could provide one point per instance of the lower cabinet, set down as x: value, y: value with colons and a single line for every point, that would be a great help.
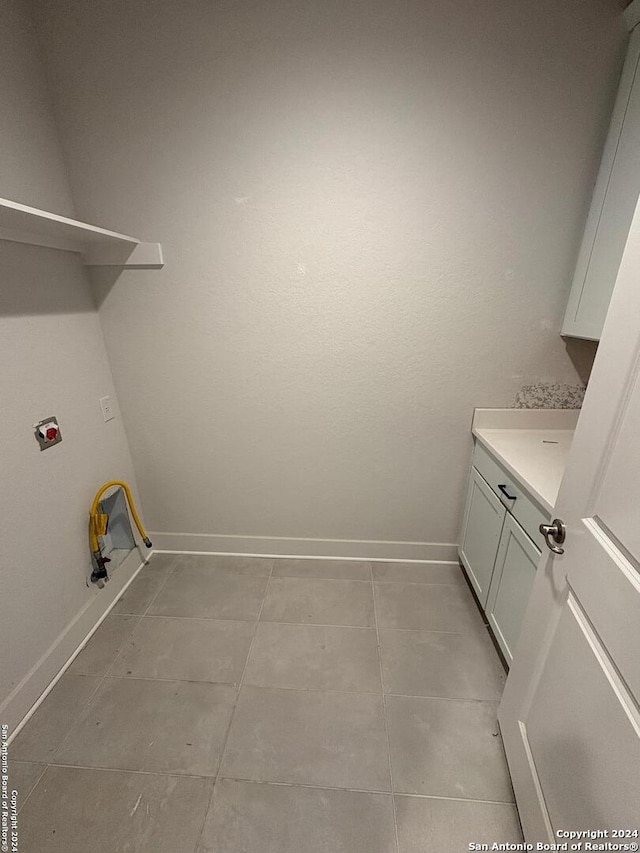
x: 497, y: 550
x: 481, y: 528
x: 511, y: 582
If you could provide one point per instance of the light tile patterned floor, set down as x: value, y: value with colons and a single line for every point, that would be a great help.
x: 250, y: 705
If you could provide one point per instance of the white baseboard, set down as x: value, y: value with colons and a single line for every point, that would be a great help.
x: 29, y: 693
x: 274, y: 546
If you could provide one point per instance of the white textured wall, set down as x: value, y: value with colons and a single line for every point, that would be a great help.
x: 370, y: 212
x: 52, y: 362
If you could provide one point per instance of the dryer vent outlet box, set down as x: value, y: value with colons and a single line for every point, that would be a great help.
x: 118, y: 540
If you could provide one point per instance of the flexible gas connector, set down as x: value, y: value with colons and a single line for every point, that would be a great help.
x: 98, y: 527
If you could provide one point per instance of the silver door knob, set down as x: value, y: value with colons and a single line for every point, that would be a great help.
x: 554, y: 535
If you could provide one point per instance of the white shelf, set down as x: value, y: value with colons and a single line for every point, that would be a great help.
x: 98, y: 247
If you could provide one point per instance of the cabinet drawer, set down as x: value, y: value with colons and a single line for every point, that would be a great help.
x: 521, y: 506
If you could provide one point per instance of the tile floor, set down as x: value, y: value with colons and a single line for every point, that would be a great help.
x: 250, y: 705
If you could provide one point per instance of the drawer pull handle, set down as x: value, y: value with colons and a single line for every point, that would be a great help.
x: 504, y: 491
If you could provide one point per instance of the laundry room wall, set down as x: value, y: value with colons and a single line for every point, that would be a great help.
x: 52, y: 362
x: 370, y: 213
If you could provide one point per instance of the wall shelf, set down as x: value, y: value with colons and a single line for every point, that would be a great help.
x: 98, y: 247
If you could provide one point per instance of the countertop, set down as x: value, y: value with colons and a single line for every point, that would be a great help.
x: 532, y: 444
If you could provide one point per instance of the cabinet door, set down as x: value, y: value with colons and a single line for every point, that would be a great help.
x: 614, y: 200
x: 481, y: 528
x: 513, y: 576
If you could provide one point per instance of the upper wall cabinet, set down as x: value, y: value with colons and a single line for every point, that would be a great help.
x: 97, y: 246
x: 614, y: 201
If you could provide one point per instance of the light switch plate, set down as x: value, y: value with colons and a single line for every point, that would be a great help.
x: 107, y: 408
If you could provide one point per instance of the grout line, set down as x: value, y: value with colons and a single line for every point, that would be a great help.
x: 109, y: 612
x: 141, y: 617
x: 363, y: 791
x: 33, y: 787
x: 117, y: 676
x: 455, y: 799
x: 108, y: 670
x: 279, y: 784
x: 235, y: 705
x: 474, y: 633
x: 78, y: 651
x: 457, y: 581
x: 384, y: 708
x: 235, y: 684
x: 91, y: 697
x: 385, y: 582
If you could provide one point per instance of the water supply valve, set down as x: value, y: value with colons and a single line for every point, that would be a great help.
x: 47, y: 433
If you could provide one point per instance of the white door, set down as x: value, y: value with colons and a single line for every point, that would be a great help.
x: 570, y: 714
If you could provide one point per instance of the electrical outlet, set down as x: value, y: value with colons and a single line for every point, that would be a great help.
x: 107, y: 408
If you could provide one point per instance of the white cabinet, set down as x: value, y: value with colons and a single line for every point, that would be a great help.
x: 481, y: 528
x: 511, y: 582
x: 614, y: 200
x: 500, y: 545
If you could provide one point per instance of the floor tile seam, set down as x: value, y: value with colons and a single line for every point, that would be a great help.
x: 279, y: 783
x: 110, y: 674
x: 158, y: 591
x: 331, y: 690
x: 230, y: 572
x: 141, y: 616
x: 100, y: 768
x: 289, y: 784
x: 431, y: 631
x: 455, y: 584
x: 384, y: 708
x: 101, y: 680
x: 233, y: 710
x: 365, y: 627
x: 319, y: 578
x: 355, y: 790
x: 473, y: 633
x: 197, y: 618
x: 214, y: 779
x: 176, y: 564
x: 85, y: 705
x: 410, y: 795
x: 114, y: 676
x: 136, y: 621
x: 495, y: 702
x: 37, y: 782
x: 216, y: 570
x: 302, y: 624
x: 193, y: 618
x: 107, y: 672
x: 315, y: 624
